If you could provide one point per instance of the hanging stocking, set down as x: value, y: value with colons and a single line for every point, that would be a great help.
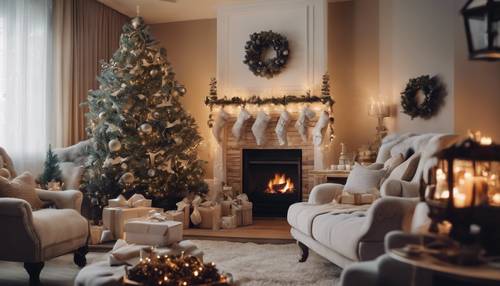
x: 281, y: 127
x: 319, y: 128
x: 305, y: 114
x: 219, y: 124
x: 259, y: 127
x: 238, y: 125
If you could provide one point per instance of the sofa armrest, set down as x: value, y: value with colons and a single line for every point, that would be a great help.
x: 387, y: 214
x: 69, y: 199
x: 19, y: 240
x: 324, y: 193
x: 399, y: 188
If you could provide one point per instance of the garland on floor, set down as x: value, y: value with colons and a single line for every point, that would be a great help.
x: 213, y: 100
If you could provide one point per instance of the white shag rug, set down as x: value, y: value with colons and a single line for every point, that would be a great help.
x: 250, y: 264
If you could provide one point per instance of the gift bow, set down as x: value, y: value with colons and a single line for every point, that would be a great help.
x: 240, y: 200
x: 135, y: 201
x: 195, y: 203
x: 156, y: 216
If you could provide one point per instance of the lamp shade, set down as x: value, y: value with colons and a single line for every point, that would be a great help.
x: 481, y: 19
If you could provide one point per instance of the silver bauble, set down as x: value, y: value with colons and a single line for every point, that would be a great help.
x: 114, y: 145
x: 146, y: 128
x: 127, y: 178
x: 285, y: 52
x: 136, y: 22
x: 153, y: 72
x: 156, y: 115
x: 123, y: 85
x: 151, y: 172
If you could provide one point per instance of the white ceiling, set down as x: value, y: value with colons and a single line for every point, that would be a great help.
x: 158, y: 11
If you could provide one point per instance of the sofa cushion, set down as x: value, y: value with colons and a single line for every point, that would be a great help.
x: 21, y: 187
x: 406, y: 170
x: 60, y: 229
x: 301, y: 215
x: 393, y: 162
x: 363, y: 180
x: 340, y: 232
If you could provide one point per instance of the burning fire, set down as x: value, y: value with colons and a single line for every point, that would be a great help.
x: 280, y: 184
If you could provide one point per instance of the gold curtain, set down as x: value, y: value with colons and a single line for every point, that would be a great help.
x: 94, y: 30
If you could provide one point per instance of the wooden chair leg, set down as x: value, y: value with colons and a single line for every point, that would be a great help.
x: 34, y: 270
x: 304, y: 251
x: 79, y: 256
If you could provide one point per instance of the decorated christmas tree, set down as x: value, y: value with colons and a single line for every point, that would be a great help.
x: 51, y: 170
x: 143, y: 140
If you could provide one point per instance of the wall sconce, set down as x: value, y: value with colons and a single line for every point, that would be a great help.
x: 379, y: 110
x: 481, y: 19
x: 464, y: 190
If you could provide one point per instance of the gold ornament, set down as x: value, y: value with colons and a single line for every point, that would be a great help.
x: 153, y: 72
x: 114, y: 145
x: 151, y: 172
x: 146, y: 128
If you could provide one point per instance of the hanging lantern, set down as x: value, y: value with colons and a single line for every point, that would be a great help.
x: 481, y: 19
x: 464, y: 190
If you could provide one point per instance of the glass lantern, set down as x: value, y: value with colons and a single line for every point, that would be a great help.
x: 464, y: 190
x: 481, y: 19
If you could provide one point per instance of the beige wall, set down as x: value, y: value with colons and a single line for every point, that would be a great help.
x: 417, y: 38
x: 477, y: 88
x: 191, y: 48
x: 353, y: 49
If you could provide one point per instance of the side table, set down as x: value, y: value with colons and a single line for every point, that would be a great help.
x: 329, y: 176
x: 445, y: 273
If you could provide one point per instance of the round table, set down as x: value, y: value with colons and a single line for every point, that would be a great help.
x: 426, y: 261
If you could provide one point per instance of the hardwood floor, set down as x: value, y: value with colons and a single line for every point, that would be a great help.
x: 263, y: 230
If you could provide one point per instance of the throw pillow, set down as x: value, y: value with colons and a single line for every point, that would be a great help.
x: 21, y: 187
x: 363, y: 180
x: 393, y: 162
x: 4, y: 172
x: 406, y: 170
x: 375, y: 166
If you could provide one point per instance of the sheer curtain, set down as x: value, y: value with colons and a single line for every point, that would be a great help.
x: 25, y: 81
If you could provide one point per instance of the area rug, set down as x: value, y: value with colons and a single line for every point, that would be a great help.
x: 251, y: 264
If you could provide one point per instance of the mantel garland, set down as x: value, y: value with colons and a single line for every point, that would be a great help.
x: 325, y: 98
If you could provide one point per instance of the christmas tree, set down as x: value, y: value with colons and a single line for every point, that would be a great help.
x: 51, y: 171
x: 144, y: 141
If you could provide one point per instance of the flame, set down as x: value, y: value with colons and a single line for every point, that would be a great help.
x: 280, y: 184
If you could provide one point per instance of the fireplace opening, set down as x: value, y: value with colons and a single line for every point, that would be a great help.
x: 272, y: 179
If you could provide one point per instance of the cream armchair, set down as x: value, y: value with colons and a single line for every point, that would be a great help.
x: 33, y: 237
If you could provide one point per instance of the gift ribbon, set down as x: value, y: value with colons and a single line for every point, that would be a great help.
x: 137, y: 200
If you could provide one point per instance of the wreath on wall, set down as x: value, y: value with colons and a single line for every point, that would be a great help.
x: 433, y: 91
x: 258, y: 46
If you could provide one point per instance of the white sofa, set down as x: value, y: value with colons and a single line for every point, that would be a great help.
x: 344, y: 238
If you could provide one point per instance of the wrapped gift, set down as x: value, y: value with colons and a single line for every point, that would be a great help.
x: 95, y: 234
x: 246, y: 213
x: 114, y: 218
x: 175, y: 216
x: 226, y: 207
x: 185, y: 207
x: 210, y: 215
x: 228, y: 222
x: 153, y: 232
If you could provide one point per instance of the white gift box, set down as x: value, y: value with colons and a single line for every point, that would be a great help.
x: 151, y: 232
x: 114, y: 218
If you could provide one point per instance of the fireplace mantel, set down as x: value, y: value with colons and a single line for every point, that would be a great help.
x: 228, y: 158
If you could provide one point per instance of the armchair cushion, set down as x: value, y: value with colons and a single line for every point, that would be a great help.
x: 69, y: 199
x: 21, y: 187
x: 60, y: 231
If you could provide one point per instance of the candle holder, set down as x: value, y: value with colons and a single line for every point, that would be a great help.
x: 464, y: 190
x: 379, y: 110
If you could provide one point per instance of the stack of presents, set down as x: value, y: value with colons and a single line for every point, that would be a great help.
x: 136, y: 221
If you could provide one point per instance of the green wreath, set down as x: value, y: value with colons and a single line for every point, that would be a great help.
x: 433, y: 91
x: 254, y: 53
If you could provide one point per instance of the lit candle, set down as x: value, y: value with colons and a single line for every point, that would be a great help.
x: 459, y: 198
x: 495, y: 199
x: 485, y: 141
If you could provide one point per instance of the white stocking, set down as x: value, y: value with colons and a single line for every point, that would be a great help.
x: 305, y: 114
x: 281, y: 127
x: 238, y: 125
x: 320, y: 127
x: 219, y: 124
x: 259, y: 127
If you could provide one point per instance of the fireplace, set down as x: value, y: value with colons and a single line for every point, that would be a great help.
x: 272, y: 179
